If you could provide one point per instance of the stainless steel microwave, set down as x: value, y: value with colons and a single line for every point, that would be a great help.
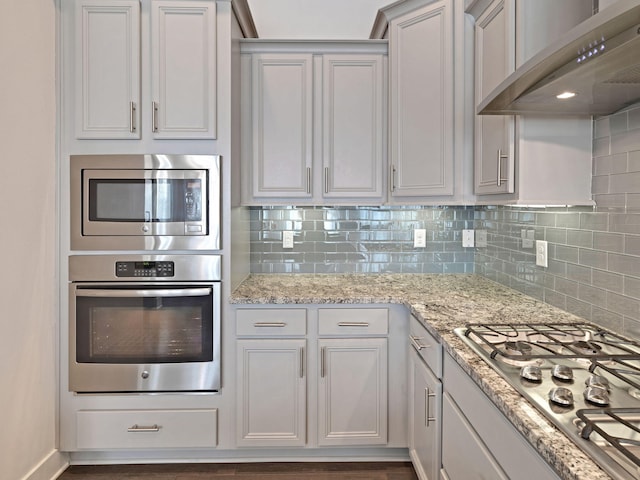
x: 145, y: 202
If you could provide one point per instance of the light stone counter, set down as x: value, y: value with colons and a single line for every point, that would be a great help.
x: 442, y: 303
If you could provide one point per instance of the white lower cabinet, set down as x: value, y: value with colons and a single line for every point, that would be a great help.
x: 272, y: 392
x: 286, y: 394
x: 271, y: 377
x: 143, y: 429
x: 478, y: 442
x: 425, y: 402
x: 352, y: 399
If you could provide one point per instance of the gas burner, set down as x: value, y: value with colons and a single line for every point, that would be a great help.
x: 584, y: 347
x: 518, y: 346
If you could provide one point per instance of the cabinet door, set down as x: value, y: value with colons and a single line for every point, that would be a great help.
x: 494, y: 149
x: 464, y: 455
x: 425, y: 407
x: 282, y: 114
x: 107, y: 75
x: 183, y: 50
x: 421, y: 102
x: 352, y: 403
x: 352, y: 106
x: 271, y: 392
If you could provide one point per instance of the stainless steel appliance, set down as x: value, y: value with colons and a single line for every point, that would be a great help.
x: 584, y: 379
x: 145, y: 202
x: 144, y: 323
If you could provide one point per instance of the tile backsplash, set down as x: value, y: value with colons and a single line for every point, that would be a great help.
x: 594, y: 252
x: 360, y: 240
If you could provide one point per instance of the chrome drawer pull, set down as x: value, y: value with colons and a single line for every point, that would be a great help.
x: 142, y: 429
x: 269, y: 324
x: 416, y: 344
x: 427, y: 417
x: 353, y: 324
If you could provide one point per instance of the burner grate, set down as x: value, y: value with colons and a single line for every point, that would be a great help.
x: 620, y: 427
x: 533, y: 341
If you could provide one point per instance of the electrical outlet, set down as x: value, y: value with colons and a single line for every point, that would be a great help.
x: 467, y: 238
x: 542, y: 257
x: 527, y: 237
x: 481, y: 238
x: 287, y: 239
x: 419, y: 238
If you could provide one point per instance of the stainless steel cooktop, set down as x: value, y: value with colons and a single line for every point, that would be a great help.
x: 584, y: 379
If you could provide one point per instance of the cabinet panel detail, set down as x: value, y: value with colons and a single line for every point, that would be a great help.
x: 352, y: 104
x: 271, y: 392
x: 107, y: 69
x: 353, y: 392
x: 282, y: 125
x: 421, y: 99
x: 184, y: 69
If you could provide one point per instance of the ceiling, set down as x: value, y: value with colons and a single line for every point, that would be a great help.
x: 315, y: 19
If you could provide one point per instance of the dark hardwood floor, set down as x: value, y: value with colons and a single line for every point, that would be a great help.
x: 245, y: 471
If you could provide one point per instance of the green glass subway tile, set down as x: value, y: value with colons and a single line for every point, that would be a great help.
x: 607, y: 280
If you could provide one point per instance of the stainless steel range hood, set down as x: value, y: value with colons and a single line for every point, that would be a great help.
x: 599, y: 60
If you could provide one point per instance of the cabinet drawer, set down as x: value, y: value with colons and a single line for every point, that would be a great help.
x: 269, y: 322
x: 124, y: 429
x: 353, y: 321
x: 426, y: 346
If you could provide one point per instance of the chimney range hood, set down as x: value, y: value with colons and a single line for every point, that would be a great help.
x: 598, y: 61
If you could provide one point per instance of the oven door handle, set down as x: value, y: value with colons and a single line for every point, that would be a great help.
x: 170, y: 292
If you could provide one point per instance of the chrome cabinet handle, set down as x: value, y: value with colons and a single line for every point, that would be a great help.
x: 143, y: 429
x: 501, y: 156
x: 132, y: 117
x: 174, y: 292
x: 322, y: 355
x: 154, y: 116
x: 353, y: 324
x: 392, y: 178
x: 326, y: 179
x: 269, y: 324
x: 416, y: 344
x: 301, y: 362
x: 427, y: 415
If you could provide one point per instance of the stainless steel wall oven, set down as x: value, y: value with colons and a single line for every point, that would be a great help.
x: 144, y: 323
x: 145, y: 202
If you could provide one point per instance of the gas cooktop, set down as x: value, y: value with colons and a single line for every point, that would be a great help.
x: 583, y: 378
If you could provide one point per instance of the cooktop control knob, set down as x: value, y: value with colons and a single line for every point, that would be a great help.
x: 561, y: 396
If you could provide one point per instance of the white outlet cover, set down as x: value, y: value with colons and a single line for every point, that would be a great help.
x: 287, y: 239
x: 542, y: 253
x: 467, y: 238
x: 419, y: 238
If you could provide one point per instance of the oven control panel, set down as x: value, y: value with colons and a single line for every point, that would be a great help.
x: 145, y: 269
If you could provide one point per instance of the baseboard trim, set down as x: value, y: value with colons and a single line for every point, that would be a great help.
x: 50, y: 467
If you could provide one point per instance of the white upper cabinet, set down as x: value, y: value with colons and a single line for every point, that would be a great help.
x: 529, y: 159
x: 426, y: 94
x: 107, y: 58
x: 282, y: 125
x: 112, y: 99
x: 353, y: 128
x: 314, y: 122
x: 183, y: 53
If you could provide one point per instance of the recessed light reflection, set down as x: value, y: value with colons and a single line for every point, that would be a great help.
x: 565, y: 95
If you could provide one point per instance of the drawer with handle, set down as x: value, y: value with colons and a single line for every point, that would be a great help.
x: 353, y: 321
x: 126, y: 429
x: 271, y: 322
x: 426, y: 346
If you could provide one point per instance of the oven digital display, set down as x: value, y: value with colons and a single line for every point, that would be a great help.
x: 145, y: 269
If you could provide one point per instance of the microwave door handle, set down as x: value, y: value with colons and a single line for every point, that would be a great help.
x: 171, y: 292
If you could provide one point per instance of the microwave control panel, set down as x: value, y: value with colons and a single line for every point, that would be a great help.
x: 144, y: 269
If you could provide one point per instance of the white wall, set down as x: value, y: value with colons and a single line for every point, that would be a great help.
x: 28, y: 290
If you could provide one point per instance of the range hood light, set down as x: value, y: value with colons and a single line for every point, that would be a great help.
x: 565, y: 95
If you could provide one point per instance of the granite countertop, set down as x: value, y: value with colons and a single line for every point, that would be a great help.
x: 443, y: 302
